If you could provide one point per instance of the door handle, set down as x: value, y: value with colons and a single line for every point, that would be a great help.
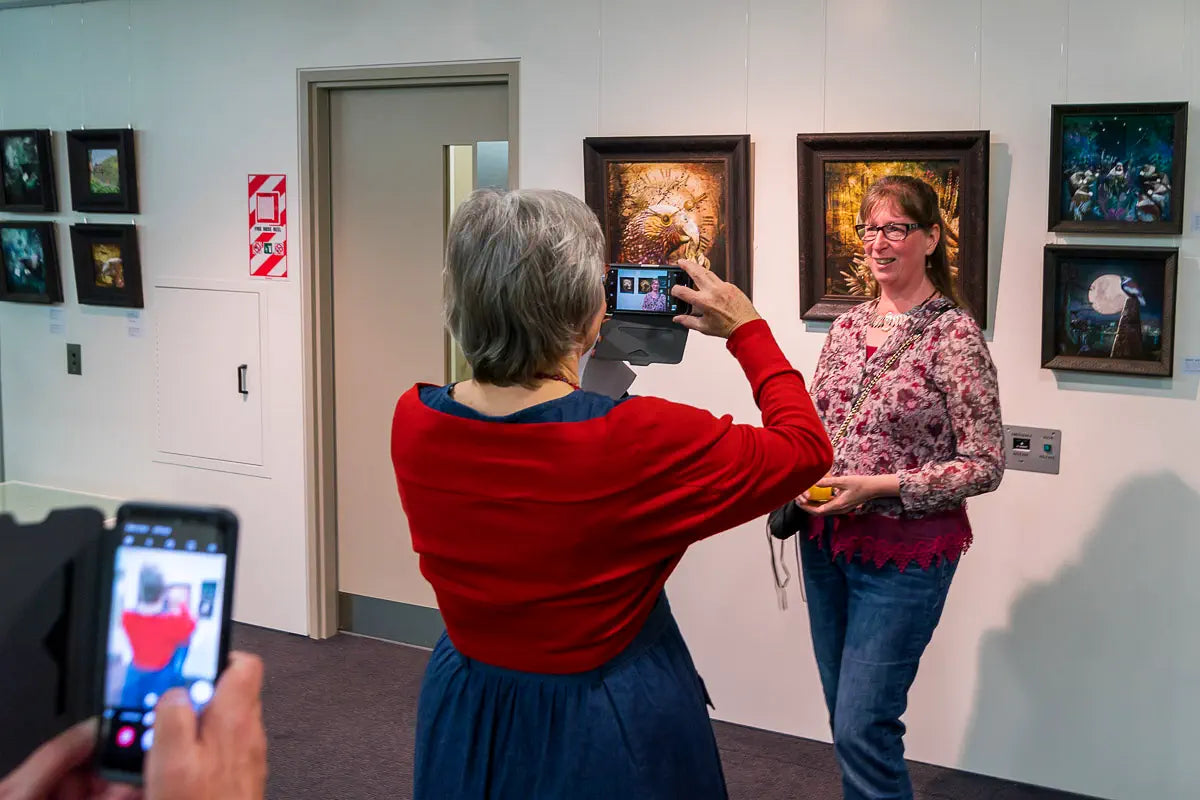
x: 241, y: 378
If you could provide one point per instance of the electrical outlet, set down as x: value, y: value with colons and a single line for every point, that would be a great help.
x: 74, y: 359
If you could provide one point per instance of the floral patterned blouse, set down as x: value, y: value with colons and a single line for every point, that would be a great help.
x: 933, y: 419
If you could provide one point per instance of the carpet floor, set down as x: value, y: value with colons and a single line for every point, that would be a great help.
x: 340, y: 715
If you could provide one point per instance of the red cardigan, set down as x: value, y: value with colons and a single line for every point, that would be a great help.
x: 547, y: 544
x: 155, y: 638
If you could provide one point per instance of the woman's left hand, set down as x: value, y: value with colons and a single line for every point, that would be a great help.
x: 850, y: 492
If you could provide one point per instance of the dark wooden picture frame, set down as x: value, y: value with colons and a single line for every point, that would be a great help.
x: 14, y: 194
x: 954, y: 162
x: 1109, y: 309
x: 98, y: 183
x: 98, y: 280
x: 624, y: 177
x: 1107, y: 176
x: 29, y: 270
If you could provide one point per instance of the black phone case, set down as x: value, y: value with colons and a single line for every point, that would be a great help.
x: 225, y: 521
x: 49, y: 629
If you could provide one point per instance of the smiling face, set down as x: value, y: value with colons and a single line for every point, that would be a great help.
x: 898, y: 265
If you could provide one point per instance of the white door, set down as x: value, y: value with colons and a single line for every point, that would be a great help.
x: 390, y: 171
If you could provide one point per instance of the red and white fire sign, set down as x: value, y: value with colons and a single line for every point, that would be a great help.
x: 268, y: 226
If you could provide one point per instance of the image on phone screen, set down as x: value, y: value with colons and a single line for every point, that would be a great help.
x: 164, y: 629
x: 645, y: 289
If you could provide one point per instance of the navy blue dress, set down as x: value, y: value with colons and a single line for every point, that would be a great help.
x: 635, y: 727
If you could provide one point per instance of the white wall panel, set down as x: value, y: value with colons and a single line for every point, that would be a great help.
x: 672, y: 68
x: 1119, y: 53
x: 909, y: 66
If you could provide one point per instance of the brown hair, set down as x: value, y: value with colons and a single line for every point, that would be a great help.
x: 917, y: 199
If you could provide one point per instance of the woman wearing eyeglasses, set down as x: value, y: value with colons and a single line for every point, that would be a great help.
x: 907, y: 392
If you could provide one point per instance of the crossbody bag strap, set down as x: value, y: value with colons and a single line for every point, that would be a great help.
x: 862, y: 396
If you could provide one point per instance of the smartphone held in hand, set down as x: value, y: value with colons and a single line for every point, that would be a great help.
x: 166, y: 591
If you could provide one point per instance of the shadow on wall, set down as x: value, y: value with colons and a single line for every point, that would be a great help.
x: 999, y: 185
x: 1094, y: 686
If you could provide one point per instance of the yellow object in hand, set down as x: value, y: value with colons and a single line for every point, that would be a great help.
x: 820, y: 494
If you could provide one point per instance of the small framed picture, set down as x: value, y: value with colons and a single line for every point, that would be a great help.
x: 1117, y: 167
x: 108, y: 270
x: 29, y: 263
x: 27, y: 171
x: 103, y: 171
x: 1109, y: 309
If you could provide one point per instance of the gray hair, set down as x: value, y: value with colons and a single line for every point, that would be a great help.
x: 523, y: 278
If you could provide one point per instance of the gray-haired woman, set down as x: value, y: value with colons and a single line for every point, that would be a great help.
x: 548, y: 519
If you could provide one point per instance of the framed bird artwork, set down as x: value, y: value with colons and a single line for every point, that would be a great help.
x: 836, y: 169
x: 1109, y: 309
x: 662, y: 199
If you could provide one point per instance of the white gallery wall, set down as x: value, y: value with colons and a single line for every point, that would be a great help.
x: 1068, y: 655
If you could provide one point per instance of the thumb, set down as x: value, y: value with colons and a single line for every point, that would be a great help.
x: 688, y: 321
x: 175, y: 737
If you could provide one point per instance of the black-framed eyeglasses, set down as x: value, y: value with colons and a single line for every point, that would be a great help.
x: 893, y: 231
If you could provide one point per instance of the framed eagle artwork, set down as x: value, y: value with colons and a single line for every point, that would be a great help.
x: 662, y: 199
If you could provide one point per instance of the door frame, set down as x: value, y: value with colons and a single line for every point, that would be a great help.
x: 314, y: 87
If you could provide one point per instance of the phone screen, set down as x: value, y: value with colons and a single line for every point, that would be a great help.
x: 645, y: 289
x: 166, y: 626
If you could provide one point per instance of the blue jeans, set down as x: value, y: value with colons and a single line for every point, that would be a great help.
x: 141, y: 682
x: 870, y: 626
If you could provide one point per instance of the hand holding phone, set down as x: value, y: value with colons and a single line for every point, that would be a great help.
x: 159, y: 562
x: 719, y: 308
x: 229, y: 762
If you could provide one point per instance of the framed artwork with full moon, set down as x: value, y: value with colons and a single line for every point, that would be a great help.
x: 662, y: 199
x: 1109, y: 309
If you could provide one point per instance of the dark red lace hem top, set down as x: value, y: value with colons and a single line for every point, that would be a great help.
x: 878, y: 539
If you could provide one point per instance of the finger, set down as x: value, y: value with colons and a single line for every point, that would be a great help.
x: 119, y: 791
x: 697, y: 273
x: 688, y: 321
x: 238, y: 691
x: 49, y: 763
x: 685, y: 293
x: 837, y: 505
x: 175, y: 728
x: 75, y: 785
